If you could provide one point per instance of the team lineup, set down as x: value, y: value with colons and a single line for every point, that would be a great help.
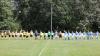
x: 50, y: 35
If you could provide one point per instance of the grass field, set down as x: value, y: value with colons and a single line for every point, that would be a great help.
x: 49, y: 48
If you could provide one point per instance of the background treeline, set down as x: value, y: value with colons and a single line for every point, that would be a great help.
x: 72, y: 15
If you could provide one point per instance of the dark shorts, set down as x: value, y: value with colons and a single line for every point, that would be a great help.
x: 9, y: 35
x: 26, y: 36
x: 12, y: 35
x: 48, y: 35
x: 51, y: 35
x: 20, y: 35
x: 2, y: 36
x: 31, y: 35
x: 15, y: 35
x: 36, y: 35
x: 60, y: 36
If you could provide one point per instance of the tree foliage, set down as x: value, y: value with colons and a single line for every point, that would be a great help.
x: 7, y: 21
x: 71, y: 15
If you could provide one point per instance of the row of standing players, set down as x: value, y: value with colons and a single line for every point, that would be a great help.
x: 67, y: 35
x: 52, y: 35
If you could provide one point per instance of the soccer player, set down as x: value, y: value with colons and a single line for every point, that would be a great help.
x: 84, y: 35
x: 8, y: 33
x: 15, y: 34
x: 27, y: 34
x: 91, y: 35
x: 88, y: 35
x: 41, y: 35
x: 36, y: 34
x: 31, y: 33
x: 2, y: 34
x: 24, y: 34
x: 80, y: 35
x: 52, y: 35
x: 21, y: 34
x: 60, y: 35
x: 65, y: 35
x: 11, y: 34
x: 49, y: 34
x: 5, y: 34
x: 77, y: 35
x: 68, y: 35
x: 56, y: 35
x: 73, y: 35
x: 97, y: 35
x: 45, y: 35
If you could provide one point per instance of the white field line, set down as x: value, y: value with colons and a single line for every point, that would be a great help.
x: 43, y: 49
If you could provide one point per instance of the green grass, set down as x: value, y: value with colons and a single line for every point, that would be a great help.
x: 49, y: 48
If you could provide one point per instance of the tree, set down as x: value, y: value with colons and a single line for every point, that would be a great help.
x: 91, y: 11
x: 72, y: 15
x: 7, y: 21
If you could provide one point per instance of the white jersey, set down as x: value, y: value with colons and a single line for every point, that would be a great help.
x: 77, y: 34
x: 73, y: 35
x: 80, y: 34
x: 65, y: 34
x: 70, y: 34
x: 84, y: 34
